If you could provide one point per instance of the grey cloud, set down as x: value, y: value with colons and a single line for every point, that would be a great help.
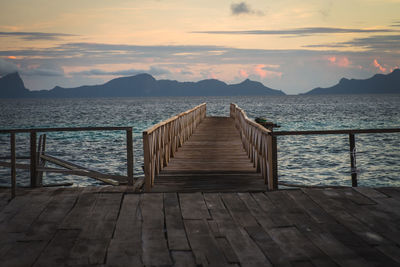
x: 97, y: 72
x: 31, y: 36
x: 243, y: 8
x: 396, y: 24
x: 300, y: 31
x: 382, y: 43
x: 42, y: 72
x: 7, y: 67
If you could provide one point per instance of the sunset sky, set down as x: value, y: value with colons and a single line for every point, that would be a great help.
x: 289, y: 45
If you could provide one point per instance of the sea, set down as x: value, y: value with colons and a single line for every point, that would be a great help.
x: 303, y: 160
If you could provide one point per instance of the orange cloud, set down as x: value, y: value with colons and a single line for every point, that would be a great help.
x: 332, y: 59
x: 260, y: 71
x: 263, y: 73
x: 379, y: 66
x: 11, y: 57
x: 343, y: 62
x: 243, y: 73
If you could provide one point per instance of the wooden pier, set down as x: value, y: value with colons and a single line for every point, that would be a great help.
x: 213, y: 159
x: 111, y: 226
x: 211, y: 200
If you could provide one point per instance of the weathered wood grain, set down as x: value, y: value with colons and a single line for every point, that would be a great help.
x: 103, y: 226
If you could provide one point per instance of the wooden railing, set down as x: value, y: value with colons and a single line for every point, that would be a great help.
x: 259, y: 144
x: 352, y: 146
x: 161, y: 141
x: 37, y: 157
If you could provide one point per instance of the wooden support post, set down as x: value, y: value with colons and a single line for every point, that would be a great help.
x: 33, y: 166
x: 274, y: 162
x: 41, y: 162
x: 353, y: 160
x: 129, y: 155
x: 13, y: 166
x: 147, y: 163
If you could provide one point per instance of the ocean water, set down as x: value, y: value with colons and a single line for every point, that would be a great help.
x: 311, y: 160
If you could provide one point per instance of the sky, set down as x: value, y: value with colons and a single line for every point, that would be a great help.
x: 293, y: 46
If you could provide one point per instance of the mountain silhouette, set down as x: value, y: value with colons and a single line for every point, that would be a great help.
x: 137, y: 86
x: 12, y: 86
x: 378, y: 84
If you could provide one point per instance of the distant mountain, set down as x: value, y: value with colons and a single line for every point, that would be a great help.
x: 12, y: 86
x: 378, y: 84
x: 139, y: 85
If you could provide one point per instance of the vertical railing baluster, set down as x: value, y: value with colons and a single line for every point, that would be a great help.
x: 13, y: 166
x: 353, y: 165
x: 129, y: 155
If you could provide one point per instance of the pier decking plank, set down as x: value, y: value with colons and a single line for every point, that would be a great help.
x: 213, y: 159
x: 307, y: 227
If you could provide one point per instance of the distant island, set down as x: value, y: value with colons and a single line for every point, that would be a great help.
x: 145, y: 85
x: 141, y: 85
x: 378, y: 84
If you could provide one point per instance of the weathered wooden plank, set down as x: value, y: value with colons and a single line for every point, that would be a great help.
x: 310, y: 207
x: 245, y: 249
x: 123, y: 253
x: 193, y: 206
x: 20, y: 213
x: 238, y: 210
x: 102, y: 218
x: 271, y: 249
x: 88, y: 252
x: 289, y: 238
x: 154, y: 246
x: 45, y: 226
x: 126, y: 245
x: 128, y: 226
x: 173, y: 218
x: 183, y: 259
x: 81, y: 211
x: 277, y: 216
x: 23, y: 253
x: 204, y: 246
x: 58, y: 250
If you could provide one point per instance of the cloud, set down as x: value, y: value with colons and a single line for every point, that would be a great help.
x: 98, y: 72
x: 343, y: 62
x: 300, y: 31
x: 379, y: 66
x: 395, y: 24
x: 262, y: 72
x: 32, y: 36
x: 243, y: 74
x: 379, y: 43
x: 7, y: 67
x: 243, y: 8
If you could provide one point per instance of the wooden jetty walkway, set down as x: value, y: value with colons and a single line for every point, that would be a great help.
x: 211, y: 200
x: 192, y: 152
x: 111, y: 226
x: 213, y: 159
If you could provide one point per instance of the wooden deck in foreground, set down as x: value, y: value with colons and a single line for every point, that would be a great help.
x: 213, y: 159
x: 110, y: 226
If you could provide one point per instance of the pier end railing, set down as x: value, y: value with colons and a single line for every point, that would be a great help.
x: 260, y: 145
x: 161, y: 141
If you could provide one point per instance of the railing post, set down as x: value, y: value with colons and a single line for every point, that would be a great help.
x: 274, y: 162
x: 129, y: 155
x: 33, y: 163
x: 13, y: 166
x: 353, y: 160
x: 147, y: 163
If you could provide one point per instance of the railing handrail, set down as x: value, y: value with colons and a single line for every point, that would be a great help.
x: 259, y: 144
x: 161, y: 141
x: 65, y: 129
x: 340, y: 131
x: 162, y: 123
x: 35, y: 156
